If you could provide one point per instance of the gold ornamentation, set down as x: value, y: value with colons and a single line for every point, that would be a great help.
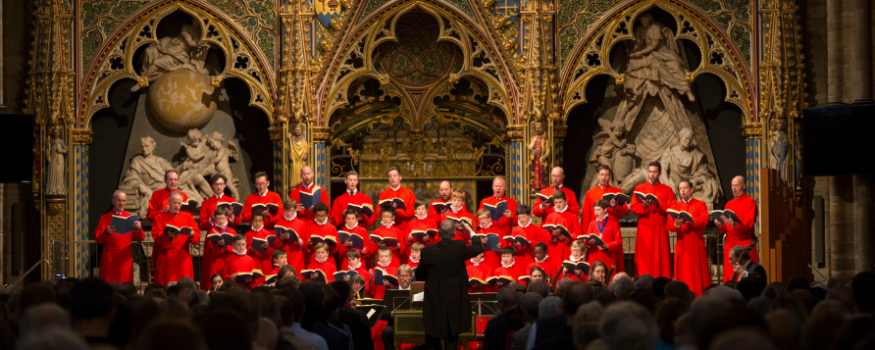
x: 82, y: 136
x: 321, y: 134
x: 142, y: 82
x: 276, y: 133
x: 55, y: 206
x: 216, y: 80
x: 752, y: 130
x: 516, y: 132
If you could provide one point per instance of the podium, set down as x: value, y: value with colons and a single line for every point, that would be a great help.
x: 409, y: 326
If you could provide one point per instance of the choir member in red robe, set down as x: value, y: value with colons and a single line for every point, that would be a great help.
x: 508, y: 217
x: 354, y: 263
x: 240, y: 263
x: 389, y: 265
x: 263, y: 259
x: 320, y: 229
x: 160, y: 200
x: 116, y: 263
x: 544, y: 261
x: 389, y: 230
x: 262, y: 196
x: 280, y: 258
x: 307, y: 186
x: 615, y: 211
x: 395, y: 191
x: 415, y: 254
x: 171, y: 249
x: 651, y: 240
x: 578, y: 255
x: 507, y: 266
x: 690, y: 260
x: 463, y: 219
x: 216, y: 254
x: 422, y: 223
x: 525, y: 255
x: 322, y: 261
x: 738, y: 232
x: 560, y: 244
x: 478, y: 272
x: 487, y: 227
x: 295, y: 248
x: 609, y: 232
x: 557, y: 175
x: 351, y: 226
x: 445, y: 190
x: 357, y: 199
x: 217, y: 182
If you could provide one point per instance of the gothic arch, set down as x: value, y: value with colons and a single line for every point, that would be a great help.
x: 719, y: 55
x: 354, y: 59
x: 114, y: 61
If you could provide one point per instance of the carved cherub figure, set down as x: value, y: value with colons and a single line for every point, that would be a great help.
x: 224, y: 154
x: 614, y: 151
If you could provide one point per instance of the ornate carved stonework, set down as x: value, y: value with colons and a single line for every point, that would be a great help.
x: 515, y: 133
x: 752, y: 130
x: 82, y: 136
x: 559, y: 131
x: 55, y: 207
x: 321, y: 134
x: 276, y: 133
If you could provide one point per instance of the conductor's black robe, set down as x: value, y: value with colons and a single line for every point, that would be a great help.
x: 446, y: 307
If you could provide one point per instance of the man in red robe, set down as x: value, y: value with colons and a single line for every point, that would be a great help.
x: 208, y: 206
x: 402, y: 214
x: 171, y: 249
x: 116, y: 263
x: 309, y: 187
x: 445, y: 190
x: 508, y: 217
x: 354, y: 197
x: 159, y: 202
x: 739, y: 232
x: 690, y: 259
x: 651, y: 240
x: 263, y: 196
x: 615, y: 211
x: 557, y: 175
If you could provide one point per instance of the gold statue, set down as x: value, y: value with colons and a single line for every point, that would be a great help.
x: 539, y: 152
x: 299, y: 152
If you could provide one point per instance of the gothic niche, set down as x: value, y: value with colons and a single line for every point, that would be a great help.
x: 651, y: 114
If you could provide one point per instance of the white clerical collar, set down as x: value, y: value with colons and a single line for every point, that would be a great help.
x: 353, y: 226
x: 294, y: 215
x: 276, y: 265
x: 484, y: 227
x: 321, y: 261
x: 260, y: 194
x: 353, y: 192
x: 219, y: 196
x: 223, y: 227
x: 257, y: 229
x: 541, y: 261
x: 410, y: 258
x: 602, y: 219
x: 572, y: 259
x: 241, y: 254
x: 498, y: 198
x: 381, y: 263
x: 354, y: 267
x: 603, y: 187
x: 321, y: 223
x: 456, y: 210
x: 389, y: 225
x: 308, y: 186
x: 507, y: 266
x: 117, y: 212
x: 395, y: 188
x: 422, y: 217
x: 520, y: 224
x: 476, y: 263
x: 686, y: 200
x: 563, y: 210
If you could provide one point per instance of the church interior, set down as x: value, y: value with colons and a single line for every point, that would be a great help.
x: 767, y: 100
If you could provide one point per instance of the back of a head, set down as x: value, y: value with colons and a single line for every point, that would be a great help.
x: 644, y: 298
x: 591, y: 312
x: 91, y: 298
x: 35, y: 294
x: 576, y: 294
x: 749, y: 288
x: 562, y: 286
x: 167, y: 334
x: 43, y: 316
x: 628, y: 326
x: 823, y: 323
x: 314, y: 297
x: 506, y: 296
x: 705, y: 307
x: 679, y: 290
x: 265, y: 300
x: 549, y: 307
x: 52, y: 338
x: 792, y: 305
x: 267, y: 335
x: 644, y: 282
x: 621, y: 285
x: 332, y: 303
x: 742, y: 338
x: 785, y: 329
x: 797, y: 282
x: 223, y: 329
x: 775, y: 289
x: 343, y: 289
x: 539, y: 287
x: 447, y: 230
x: 529, y: 306
x: 852, y: 330
x: 126, y: 289
x: 724, y: 292
x: 292, y: 308
x: 187, y: 282
x: 606, y: 297
x: 658, y: 286
x: 667, y: 312
x: 585, y: 334
x: 863, y: 288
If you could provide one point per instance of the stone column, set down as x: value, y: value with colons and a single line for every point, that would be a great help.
x: 280, y: 155
x: 861, y: 66
x: 320, y: 158
x: 515, y: 164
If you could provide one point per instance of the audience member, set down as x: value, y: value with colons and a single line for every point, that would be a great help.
x: 507, y: 319
x: 628, y: 326
x: 529, y: 305
x: 41, y: 317
x: 55, y: 339
x: 91, y: 310
x: 556, y: 332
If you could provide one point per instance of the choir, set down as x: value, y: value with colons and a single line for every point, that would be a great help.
x: 307, y: 238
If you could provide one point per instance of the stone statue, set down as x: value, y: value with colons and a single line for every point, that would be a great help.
x: 145, y: 175
x: 778, y: 147
x: 199, y: 160
x: 539, y: 152
x: 184, y: 51
x: 299, y: 152
x: 222, y: 160
x: 614, y: 151
x: 56, y: 150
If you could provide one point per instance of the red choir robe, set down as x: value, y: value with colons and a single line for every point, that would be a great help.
x: 361, y: 269
x: 342, y: 203
x: 412, y: 263
x: 394, y: 232
x: 264, y: 260
x: 587, y: 216
x: 610, y: 234
x: 116, y: 262
x: 651, y: 240
x: 208, y: 206
x: 505, y: 224
x: 402, y: 216
x: 482, y: 271
x: 439, y: 217
x: 690, y: 260
x: 173, y: 257
x: 582, y: 278
x: 214, y: 256
x: 295, y: 194
x: 491, y: 257
x: 556, y: 247
x: 549, y: 264
x: 366, y: 238
x: 295, y: 253
x: 534, y: 234
x: 328, y: 267
x: 161, y: 199
x: 570, y: 198
x: 463, y: 215
x: 513, y: 271
x: 239, y: 263
x: 328, y: 232
x: 422, y: 224
x: 268, y: 198
x: 377, y: 290
x: 743, y: 232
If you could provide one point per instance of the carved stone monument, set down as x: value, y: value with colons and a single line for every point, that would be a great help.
x: 56, y: 151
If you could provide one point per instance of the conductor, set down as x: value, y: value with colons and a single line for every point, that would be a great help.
x: 446, y: 307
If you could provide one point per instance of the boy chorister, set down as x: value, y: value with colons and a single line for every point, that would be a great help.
x: 388, y: 230
x: 560, y: 245
x: 280, y: 259
x: 389, y: 266
x: 258, y: 231
x: 322, y: 261
x: 415, y: 255
x: 294, y: 247
x: 422, y: 223
x: 578, y: 248
x: 508, y: 266
x: 525, y: 255
x: 478, y: 273
x: 609, y: 231
x: 215, y: 254
x: 321, y: 229
x: 116, y: 262
x: 544, y: 261
x: 464, y: 219
x: 352, y: 227
x: 354, y: 263
x: 239, y: 266
x: 488, y: 227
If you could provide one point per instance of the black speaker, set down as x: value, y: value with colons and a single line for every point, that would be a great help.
x: 17, y: 146
x: 836, y: 140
